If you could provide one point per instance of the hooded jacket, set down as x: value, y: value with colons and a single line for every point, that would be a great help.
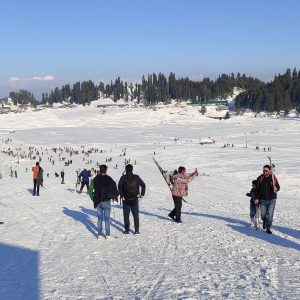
x: 180, y: 186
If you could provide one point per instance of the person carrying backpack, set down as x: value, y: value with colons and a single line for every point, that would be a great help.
x: 129, y: 189
x: 105, y: 190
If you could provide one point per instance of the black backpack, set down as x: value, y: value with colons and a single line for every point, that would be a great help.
x: 131, y: 186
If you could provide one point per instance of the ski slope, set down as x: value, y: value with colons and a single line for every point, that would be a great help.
x: 48, y: 245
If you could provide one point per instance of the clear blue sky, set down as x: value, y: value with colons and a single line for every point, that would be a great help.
x: 95, y: 39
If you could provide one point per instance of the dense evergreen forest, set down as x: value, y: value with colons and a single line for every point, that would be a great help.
x: 281, y: 94
x: 152, y: 89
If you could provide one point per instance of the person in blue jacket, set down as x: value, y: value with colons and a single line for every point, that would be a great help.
x: 85, y: 179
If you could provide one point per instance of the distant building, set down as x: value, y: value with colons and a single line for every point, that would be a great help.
x: 210, y: 102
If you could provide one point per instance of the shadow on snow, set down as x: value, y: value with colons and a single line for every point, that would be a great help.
x: 240, y: 226
x: 84, y: 215
x: 19, y: 276
x: 243, y: 227
x: 30, y: 191
x: 82, y: 218
x: 114, y: 222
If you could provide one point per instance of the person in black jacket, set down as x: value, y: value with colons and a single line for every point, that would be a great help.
x: 266, y: 195
x: 105, y: 190
x: 253, y: 207
x: 129, y: 189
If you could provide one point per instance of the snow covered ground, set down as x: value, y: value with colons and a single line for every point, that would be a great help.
x: 48, y: 245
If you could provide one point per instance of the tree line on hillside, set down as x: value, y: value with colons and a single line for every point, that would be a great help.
x: 23, y: 97
x: 283, y: 93
x: 152, y: 89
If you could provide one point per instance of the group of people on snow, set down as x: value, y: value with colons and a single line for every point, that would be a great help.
x: 131, y: 187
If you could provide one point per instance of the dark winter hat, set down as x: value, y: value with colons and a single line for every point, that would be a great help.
x: 37, y: 163
x: 254, y: 182
x: 129, y: 168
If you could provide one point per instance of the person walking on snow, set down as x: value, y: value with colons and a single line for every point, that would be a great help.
x: 105, y: 190
x: 62, y: 175
x: 253, y: 207
x: 266, y: 195
x: 129, y: 189
x: 37, y: 178
x: 179, y: 190
x: 84, y: 175
x: 35, y: 171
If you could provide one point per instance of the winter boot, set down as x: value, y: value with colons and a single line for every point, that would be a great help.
x: 172, y: 217
x: 269, y: 230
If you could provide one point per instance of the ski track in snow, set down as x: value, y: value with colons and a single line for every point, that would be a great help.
x: 213, y: 254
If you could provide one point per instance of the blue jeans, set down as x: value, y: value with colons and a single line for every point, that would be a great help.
x: 253, y: 210
x: 103, y: 211
x: 267, y: 210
